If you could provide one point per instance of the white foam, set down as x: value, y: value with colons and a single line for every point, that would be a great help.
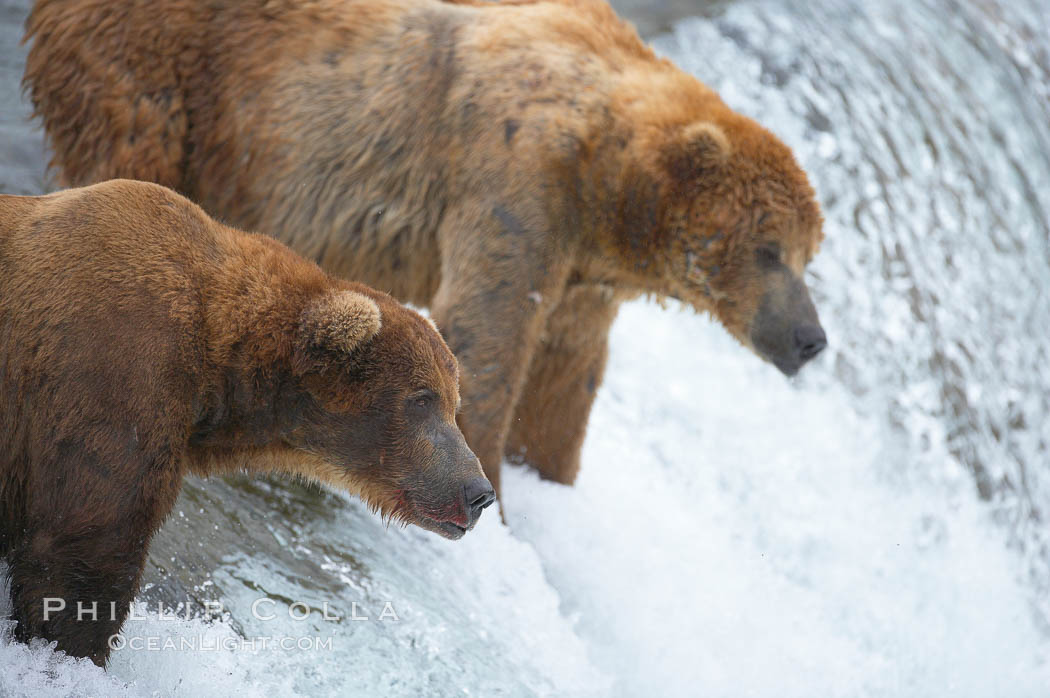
x: 734, y: 535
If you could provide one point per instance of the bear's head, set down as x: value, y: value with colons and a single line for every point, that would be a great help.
x: 736, y: 224
x: 380, y: 390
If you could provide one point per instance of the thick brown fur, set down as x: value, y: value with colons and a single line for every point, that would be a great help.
x: 521, y: 168
x: 140, y: 340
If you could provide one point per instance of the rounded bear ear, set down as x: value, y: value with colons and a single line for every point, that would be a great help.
x: 698, y: 150
x: 339, y: 321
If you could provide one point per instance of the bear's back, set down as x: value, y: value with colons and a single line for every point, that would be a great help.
x: 114, y: 221
x: 99, y: 245
x: 106, y: 280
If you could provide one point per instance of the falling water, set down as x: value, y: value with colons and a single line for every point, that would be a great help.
x: 925, y: 126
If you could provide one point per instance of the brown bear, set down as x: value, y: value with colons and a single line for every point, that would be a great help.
x: 141, y: 341
x: 521, y: 168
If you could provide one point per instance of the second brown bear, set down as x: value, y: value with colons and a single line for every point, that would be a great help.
x: 141, y: 341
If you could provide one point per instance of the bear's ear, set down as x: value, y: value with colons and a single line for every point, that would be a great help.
x: 696, y: 151
x: 339, y: 321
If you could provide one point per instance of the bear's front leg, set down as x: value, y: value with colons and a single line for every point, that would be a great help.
x: 550, y: 421
x: 498, y: 286
x: 76, y: 590
x: 77, y: 569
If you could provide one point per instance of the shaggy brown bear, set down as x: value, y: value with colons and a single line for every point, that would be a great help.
x: 141, y: 341
x: 521, y: 168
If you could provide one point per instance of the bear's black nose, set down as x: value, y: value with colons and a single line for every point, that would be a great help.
x: 809, y: 341
x: 478, y: 494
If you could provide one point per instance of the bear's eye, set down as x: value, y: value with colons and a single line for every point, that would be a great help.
x: 767, y: 256
x: 422, y: 398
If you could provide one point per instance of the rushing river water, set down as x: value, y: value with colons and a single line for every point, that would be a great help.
x: 818, y: 538
x: 925, y: 126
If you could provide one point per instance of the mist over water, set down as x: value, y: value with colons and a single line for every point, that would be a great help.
x: 732, y: 533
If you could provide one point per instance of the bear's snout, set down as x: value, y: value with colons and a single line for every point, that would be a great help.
x: 473, y: 496
x: 786, y: 330
x: 477, y: 494
x: 810, y: 340
x: 450, y: 492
